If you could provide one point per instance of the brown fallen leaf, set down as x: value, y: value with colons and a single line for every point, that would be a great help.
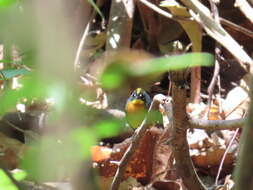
x: 140, y: 166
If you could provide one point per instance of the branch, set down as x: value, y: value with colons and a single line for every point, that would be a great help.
x: 245, y: 8
x: 236, y: 27
x: 162, y: 12
x: 216, y: 124
x: 120, y: 24
x: 80, y: 46
x: 138, y: 134
x: 180, y: 147
x: 244, y: 165
x: 13, y: 180
x: 203, y: 16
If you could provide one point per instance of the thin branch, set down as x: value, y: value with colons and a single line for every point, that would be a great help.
x: 13, y: 180
x: 139, y: 133
x: 162, y: 12
x: 12, y: 126
x: 203, y: 16
x: 236, y: 27
x: 214, y: 10
x: 243, y: 171
x: 216, y: 124
x: 213, y: 83
x: 224, y: 156
x: 245, y: 8
x: 222, y: 20
x: 81, y: 44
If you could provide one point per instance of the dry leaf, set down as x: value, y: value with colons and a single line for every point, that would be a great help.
x: 236, y: 103
x: 140, y: 166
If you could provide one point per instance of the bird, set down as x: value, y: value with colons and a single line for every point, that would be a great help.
x: 136, y: 107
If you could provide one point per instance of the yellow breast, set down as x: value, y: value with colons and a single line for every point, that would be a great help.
x: 135, y: 106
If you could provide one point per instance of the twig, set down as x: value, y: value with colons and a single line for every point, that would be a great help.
x: 139, y: 133
x: 213, y: 83
x: 13, y: 180
x: 216, y: 66
x: 224, y: 156
x: 203, y: 16
x: 222, y: 20
x: 245, y: 8
x: 13, y: 126
x: 216, y: 124
x: 81, y: 44
x: 236, y: 27
x: 243, y: 171
x: 162, y: 12
x: 214, y: 11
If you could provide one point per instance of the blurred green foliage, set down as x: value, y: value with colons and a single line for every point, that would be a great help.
x: 6, y: 3
x: 54, y: 158
x: 94, y: 5
x: 118, y: 73
x: 10, y: 73
x: 6, y: 183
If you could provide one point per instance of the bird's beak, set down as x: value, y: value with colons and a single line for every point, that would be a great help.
x: 138, y: 102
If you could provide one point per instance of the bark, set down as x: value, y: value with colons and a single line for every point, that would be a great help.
x: 120, y: 25
x: 244, y: 166
x: 180, y: 146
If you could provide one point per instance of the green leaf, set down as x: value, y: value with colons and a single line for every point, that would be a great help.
x: 6, y: 3
x: 10, y: 73
x: 33, y: 87
x: 171, y: 63
x: 109, y: 128
x: 19, y: 175
x: 84, y: 138
x: 191, y: 27
x: 119, y: 73
x: 114, y: 75
x: 93, y: 4
x: 5, y: 182
x: 54, y: 158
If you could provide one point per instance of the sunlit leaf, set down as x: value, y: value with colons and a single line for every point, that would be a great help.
x: 6, y: 3
x: 114, y: 75
x: 85, y: 138
x: 94, y: 5
x: 53, y: 158
x: 33, y: 87
x: 119, y: 73
x: 5, y: 182
x: 191, y: 27
x: 108, y: 128
x: 10, y: 73
x: 171, y: 63
x: 19, y: 175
